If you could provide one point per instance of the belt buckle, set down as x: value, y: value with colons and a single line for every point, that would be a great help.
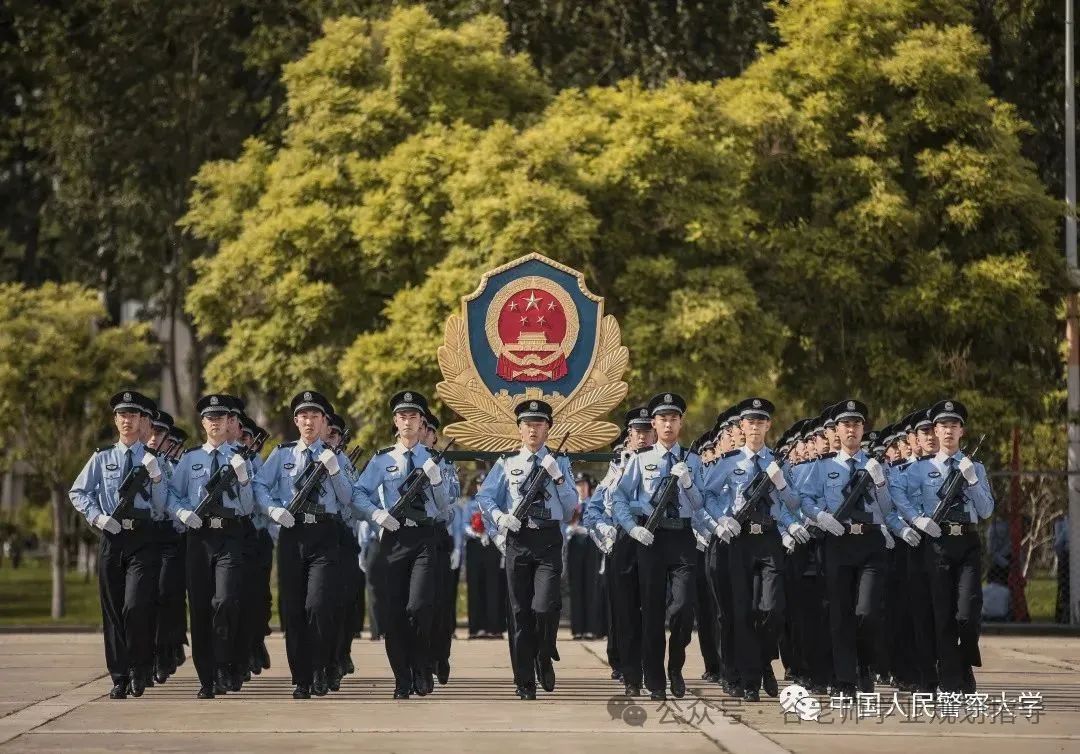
x: 217, y: 523
x: 127, y: 523
x: 309, y: 518
x: 856, y: 528
x: 410, y: 522
x: 756, y: 529
x: 956, y: 530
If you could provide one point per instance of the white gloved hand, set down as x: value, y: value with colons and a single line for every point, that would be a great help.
x: 107, y: 523
x: 455, y: 559
x: 723, y: 532
x: 910, y: 536
x: 485, y: 540
x: 788, y: 542
x: 328, y: 458
x: 642, y: 535
x: 776, y: 475
x: 282, y: 516
x: 967, y: 468
x: 551, y: 466
x: 506, y: 521
x: 682, y: 472
x: 150, y: 461
x: 927, y: 525
x: 434, y: 475
x: 239, y: 466
x: 189, y: 518
x: 890, y: 543
x: 828, y: 522
x: 608, y: 545
x: 731, y: 525
x: 607, y: 531
x: 500, y: 543
x: 873, y: 468
x: 385, y: 520
x: 799, y: 532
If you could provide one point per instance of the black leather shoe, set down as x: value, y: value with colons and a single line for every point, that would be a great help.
x: 205, y: 692
x: 119, y: 691
x: 526, y: 691
x: 222, y: 681
x: 236, y: 680
x: 161, y: 672
x: 350, y: 668
x: 264, y: 655
x: 768, y: 682
x: 678, y: 685
x: 442, y: 670
x: 866, y: 681
x: 750, y: 695
x: 968, y: 686
x: 710, y: 677
x: 401, y: 693
x: 735, y: 690
x: 181, y: 658
x: 631, y: 690
x: 846, y: 689
x: 422, y: 683
x: 319, y: 685
x: 136, y: 686
x: 254, y: 666
x: 616, y: 675
x: 545, y: 671
x: 301, y: 692
x: 333, y: 678
x: 658, y: 696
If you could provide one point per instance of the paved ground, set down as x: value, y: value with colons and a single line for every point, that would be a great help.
x: 53, y: 697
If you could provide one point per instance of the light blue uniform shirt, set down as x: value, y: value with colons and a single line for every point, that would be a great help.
x: 275, y: 484
x: 96, y: 490
x: 824, y: 490
x: 918, y: 494
x: 728, y: 479
x: 192, y: 473
x: 501, y: 488
x: 378, y: 485
x: 642, y: 475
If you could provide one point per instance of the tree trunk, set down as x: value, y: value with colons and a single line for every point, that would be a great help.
x: 59, y: 553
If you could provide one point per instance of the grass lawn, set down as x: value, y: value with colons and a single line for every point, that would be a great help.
x: 26, y: 594
x: 1041, y: 592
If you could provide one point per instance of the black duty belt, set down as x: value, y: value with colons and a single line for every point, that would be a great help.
x: 674, y: 524
x: 540, y: 523
x: 316, y: 518
x: 221, y: 522
x: 955, y: 529
x: 757, y: 528
x: 416, y: 522
x: 860, y: 528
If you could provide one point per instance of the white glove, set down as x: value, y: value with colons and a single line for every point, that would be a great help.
x: 107, y: 523
x: 643, y: 535
x: 682, y: 471
x: 776, y: 475
x: 189, y: 518
x: 828, y: 522
x: 607, y: 531
x: 890, y: 543
x: 788, y: 542
x: 731, y: 525
x: 500, y: 543
x: 551, y: 466
x: 149, y: 460
x: 239, y: 465
x: 910, y: 536
x: 608, y: 544
x: 506, y: 521
x: 928, y: 526
x: 873, y: 468
x: 455, y: 559
x: 967, y: 468
x: 385, y: 520
x: 432, y: 470
x: 328, y: 458
x: 723, y: 532
x: 799, y: 533
x: 282, y: 516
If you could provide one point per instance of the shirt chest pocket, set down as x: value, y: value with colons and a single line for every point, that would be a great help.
x: 834, y: 489
x: 650, y: 481
x: 111, y: 479
x: 199, y: 478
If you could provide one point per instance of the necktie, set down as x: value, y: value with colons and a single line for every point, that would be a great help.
x: 127, y: 464
x: 757, y: 464
x: 409, y: 462
x: 851, y: 468
x: 669, y: 461
x: 215, y: 462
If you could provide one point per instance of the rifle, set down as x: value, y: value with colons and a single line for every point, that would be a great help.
x: 134, y: 484
x: 534, y: 488
x: 222, y: 481
x: 857, y: 488
x: 951, y: 491
x: 409, y: 491
x: 665, y: 494
x: 760, y: 488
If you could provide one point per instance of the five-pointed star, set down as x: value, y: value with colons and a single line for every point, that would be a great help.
x: 540, y: 320
x: 513, y: 305
x: 532, y: 302
x: 524, y: 320
x: 551, y: 305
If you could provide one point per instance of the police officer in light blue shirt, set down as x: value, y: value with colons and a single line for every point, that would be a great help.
x: 533, y: 542
x: 954, y: 552
x: 757, y: 543
x: 261, y: 562
x: 407, y: 551
x: 669, y: 552
x: 128, y: 557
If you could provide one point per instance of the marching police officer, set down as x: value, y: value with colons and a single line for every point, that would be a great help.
x: 128, y: 555
x: 484, y: 577
x: 261, y: 563
x: 757, y: 544
x: 668, y: 553
x: 954, y: 553
x: 855, y: 551
x: 408, y: 543
x: 533, y: 542
x: 308, y: 548
x: 215, y: 546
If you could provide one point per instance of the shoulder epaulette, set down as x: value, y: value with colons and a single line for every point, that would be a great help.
x: 731, y: 453
x: 103, y: 448
x: 387, y: 449
x: 642, y: 450
x: 287, y: 444
x: 830, y: 454
x: 197, y: 447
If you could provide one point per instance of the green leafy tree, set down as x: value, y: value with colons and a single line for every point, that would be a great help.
x: 57, y: 371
